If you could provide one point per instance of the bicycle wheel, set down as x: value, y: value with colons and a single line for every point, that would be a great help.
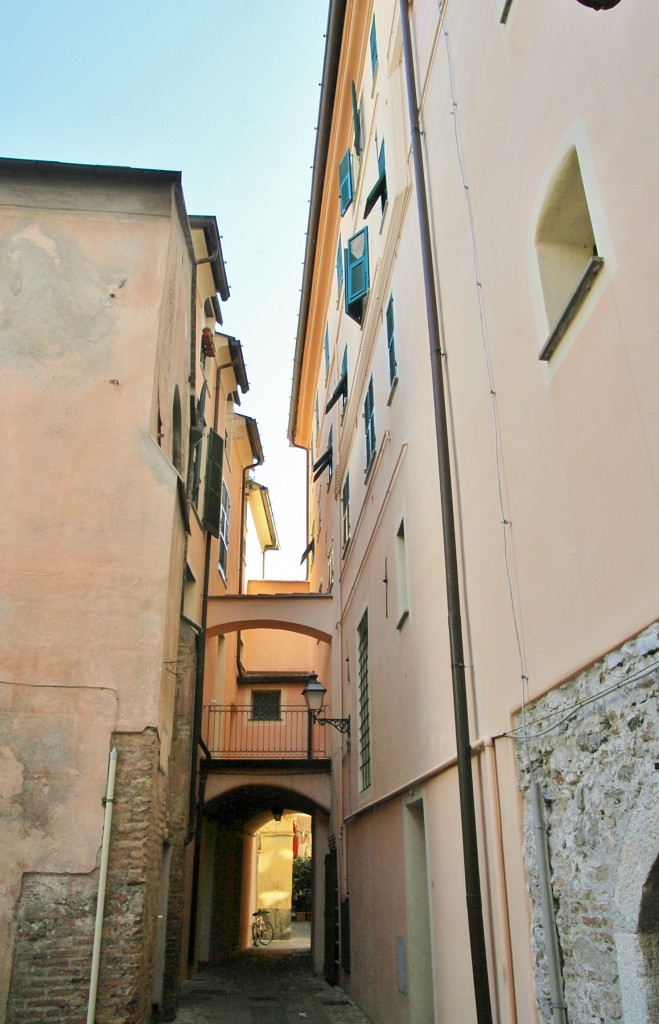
x: 255, y: 933
x: 267, y: 933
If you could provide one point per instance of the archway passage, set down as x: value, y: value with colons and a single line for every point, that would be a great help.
x: 239, y: 833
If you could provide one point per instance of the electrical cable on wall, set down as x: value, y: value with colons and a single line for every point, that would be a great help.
x: 505, y: 520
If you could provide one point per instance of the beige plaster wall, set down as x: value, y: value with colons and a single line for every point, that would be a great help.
x: 94, y: 337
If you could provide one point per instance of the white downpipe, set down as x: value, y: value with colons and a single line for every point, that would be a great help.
x: 102, y: 878
x: 558, y: 1007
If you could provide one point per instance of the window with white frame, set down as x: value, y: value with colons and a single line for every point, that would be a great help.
x: 369, y: 425
x: 401, y: 576
x: 345, y: 512
x: 330, y: 566
x: 224, y: 530
x: 566, y: 249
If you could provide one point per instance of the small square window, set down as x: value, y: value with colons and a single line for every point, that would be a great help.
x: 266, y: 705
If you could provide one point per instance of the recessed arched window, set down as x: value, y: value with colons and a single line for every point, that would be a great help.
x: 566, y: 249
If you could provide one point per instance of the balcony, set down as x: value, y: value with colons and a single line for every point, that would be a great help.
x: 232, y: 733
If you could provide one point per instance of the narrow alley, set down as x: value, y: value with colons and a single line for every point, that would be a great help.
x: 269, y: 985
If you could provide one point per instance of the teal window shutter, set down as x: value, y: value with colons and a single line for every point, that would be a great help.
x: 345, y: 181
x: 391, y: 342
x: 341, y: 389
x: 357, y: 280
x: 369, y: 424
x: 381, y: 162
x: 212, y: 501
x: 379, y: 190
x: 374, y: 48
x: 356, y: 122
x: 339, y: 267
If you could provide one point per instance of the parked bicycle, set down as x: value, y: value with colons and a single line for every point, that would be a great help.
x: 263, y: 931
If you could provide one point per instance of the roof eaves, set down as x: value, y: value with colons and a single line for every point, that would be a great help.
x: 214, y: 245
x: 335, y: 25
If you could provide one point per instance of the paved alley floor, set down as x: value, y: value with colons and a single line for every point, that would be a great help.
x: 268, y: 985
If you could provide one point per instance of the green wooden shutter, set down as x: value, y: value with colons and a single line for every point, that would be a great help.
x: 212, y: 500
x: 356, y: 121
x: 357, y: 279
x: 374, y: 48
x: 345, y: 181
x: 391, y: 341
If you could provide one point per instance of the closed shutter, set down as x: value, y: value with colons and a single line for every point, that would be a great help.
x: 212, y: 500
x: 357, y: 280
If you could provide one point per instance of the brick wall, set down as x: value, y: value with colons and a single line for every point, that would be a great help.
x: 55, y: 913
x: 132, y: 898
x: 179, y: 775
x: 52, y: 961
x: 598, y: 764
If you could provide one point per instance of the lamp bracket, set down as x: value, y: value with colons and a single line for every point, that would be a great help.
x: 340, y: 724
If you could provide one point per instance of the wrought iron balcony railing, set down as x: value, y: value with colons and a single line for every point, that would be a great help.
x: 231, y: 731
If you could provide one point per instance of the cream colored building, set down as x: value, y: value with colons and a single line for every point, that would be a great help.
x: 520, y: 332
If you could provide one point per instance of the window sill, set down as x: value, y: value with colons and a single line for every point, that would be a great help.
x: 593, y: 268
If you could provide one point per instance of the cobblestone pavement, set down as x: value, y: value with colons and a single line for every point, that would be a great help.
x: 273, y: 985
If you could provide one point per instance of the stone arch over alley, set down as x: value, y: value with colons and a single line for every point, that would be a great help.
x: 303, y: 613
x: 236, y: 807
x: 264, y: 756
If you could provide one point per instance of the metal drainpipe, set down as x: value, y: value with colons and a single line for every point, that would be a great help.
x: 196, y: 805
x: 558, y: 1007
x: 460, y: 707
x: 102, y: 879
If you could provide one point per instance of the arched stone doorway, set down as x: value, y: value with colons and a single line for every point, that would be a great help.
x: 235, y: 808
x: 637, y: 910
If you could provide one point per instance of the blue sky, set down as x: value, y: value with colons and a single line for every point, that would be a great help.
x: 227, y: 93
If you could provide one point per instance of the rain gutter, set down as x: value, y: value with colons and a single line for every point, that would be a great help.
x: 460, y: 707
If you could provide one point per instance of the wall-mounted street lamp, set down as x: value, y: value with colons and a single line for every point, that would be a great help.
x: 599, y: 5
x: 314, y: 694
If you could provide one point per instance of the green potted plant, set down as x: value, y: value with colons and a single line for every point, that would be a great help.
x: 302, y: 887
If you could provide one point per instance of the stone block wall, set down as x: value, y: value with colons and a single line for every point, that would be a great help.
x: 593, y: 744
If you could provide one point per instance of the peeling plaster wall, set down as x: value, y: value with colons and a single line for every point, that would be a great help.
x: 96, y: 285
